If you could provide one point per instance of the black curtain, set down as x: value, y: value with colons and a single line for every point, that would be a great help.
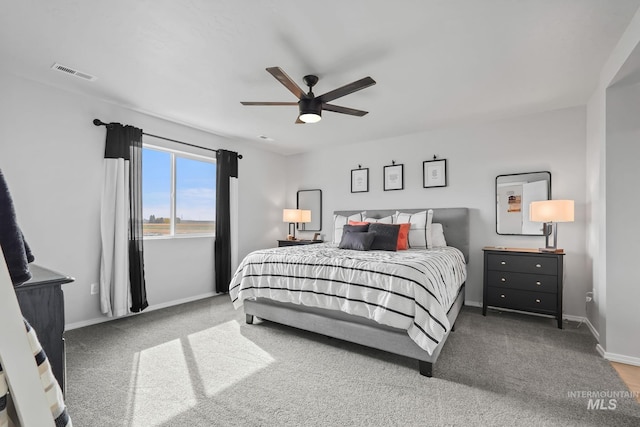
x: 226, y: 168
x: 126, y: 142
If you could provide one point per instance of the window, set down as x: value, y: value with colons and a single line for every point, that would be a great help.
x: 178, y: 193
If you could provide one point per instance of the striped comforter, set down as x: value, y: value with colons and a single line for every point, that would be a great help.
x: 410, y: 290
x: 51, y: 388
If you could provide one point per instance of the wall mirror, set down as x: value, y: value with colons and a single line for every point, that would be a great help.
x: 311, y: 200
x: 514, y: 193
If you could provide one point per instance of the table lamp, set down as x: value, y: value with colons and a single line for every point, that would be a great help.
x: 293, y: 216
x: 550, y: 212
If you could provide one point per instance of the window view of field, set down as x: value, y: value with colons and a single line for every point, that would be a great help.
x: 195, y: 201
x: 161, y: 228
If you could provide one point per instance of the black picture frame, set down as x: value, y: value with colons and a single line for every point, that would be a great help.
x: 360, y: 180
x: 393, y: 176
x: 434, y: 173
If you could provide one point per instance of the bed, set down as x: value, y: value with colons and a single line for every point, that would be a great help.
x: 317, y: 309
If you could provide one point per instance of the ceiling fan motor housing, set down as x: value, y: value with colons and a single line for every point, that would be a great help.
x: 310, y: 106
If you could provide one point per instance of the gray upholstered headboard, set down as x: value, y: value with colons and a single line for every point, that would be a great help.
x: 455, y: 222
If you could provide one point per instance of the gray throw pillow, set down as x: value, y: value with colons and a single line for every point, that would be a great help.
x: 349, y: 228
x: 357, y: 240
x: 386, y: 236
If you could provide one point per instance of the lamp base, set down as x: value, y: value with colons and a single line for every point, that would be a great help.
x: 292, y: 235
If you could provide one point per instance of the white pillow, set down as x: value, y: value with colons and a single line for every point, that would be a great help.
x: 340, y: 221
x: 437, y: 235
x: 420, y: 231
x: 385, y: 220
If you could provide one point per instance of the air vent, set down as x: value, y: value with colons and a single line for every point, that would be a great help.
x: 71, y: 71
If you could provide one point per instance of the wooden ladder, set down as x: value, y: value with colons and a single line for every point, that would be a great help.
x: 19, y: 365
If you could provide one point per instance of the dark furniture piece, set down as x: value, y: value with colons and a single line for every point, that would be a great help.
x: 42, y: 304
x: 523, y: 279
x: 282, y: 243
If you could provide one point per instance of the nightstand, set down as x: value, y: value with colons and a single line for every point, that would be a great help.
x: 523, y: 279
x: 41, y: 301
x: 282, y: 243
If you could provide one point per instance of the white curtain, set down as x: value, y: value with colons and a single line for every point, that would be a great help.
x: 233, y: 211
x: 115, y: 294
x: 122, y: 283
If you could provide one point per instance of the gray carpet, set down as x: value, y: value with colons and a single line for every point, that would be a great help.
x: 199, y: 364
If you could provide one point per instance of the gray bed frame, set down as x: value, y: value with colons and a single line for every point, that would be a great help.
x: 359, y: 330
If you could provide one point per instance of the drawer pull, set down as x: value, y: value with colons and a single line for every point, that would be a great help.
x: 538, y: 265
x: 537, y: 300
x: 503, y: 262
x: 503, y: 280
x: 538, y: 283
x: 502, y: 296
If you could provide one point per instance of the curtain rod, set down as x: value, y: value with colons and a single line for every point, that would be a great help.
x: 98, y: 122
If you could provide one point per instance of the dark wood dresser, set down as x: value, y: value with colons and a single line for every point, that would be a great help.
x: 282, y: 243
x: 523, y: 279
x: 42, y: 303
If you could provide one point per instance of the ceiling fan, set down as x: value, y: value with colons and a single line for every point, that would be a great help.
x: 311, y: 106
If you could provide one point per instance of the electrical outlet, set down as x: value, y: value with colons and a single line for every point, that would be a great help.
x: 94, y: 288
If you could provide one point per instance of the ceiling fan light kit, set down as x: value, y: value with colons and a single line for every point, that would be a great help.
x: 310, y: 107
x: 310, y: 110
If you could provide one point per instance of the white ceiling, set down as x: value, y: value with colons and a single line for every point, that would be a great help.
x: 436, y: 62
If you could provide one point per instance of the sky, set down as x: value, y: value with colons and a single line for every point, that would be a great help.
x: 195, y: 186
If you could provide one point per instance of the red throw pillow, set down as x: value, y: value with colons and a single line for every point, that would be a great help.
x: 351, y: 222
x: 403, y: 236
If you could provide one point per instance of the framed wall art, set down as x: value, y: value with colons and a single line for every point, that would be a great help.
x: 434, y: 173
x: 393, y: 177
x: 360, y: 180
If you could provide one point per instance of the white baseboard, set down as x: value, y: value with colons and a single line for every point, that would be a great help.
x: 585, y: 320
x: 612, y: 357
x: 83, y: 323
x: 620, y: 358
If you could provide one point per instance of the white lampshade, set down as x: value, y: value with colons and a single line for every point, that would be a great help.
x: 296, y: 215
x: 305, y: 215
x: 552, y: 211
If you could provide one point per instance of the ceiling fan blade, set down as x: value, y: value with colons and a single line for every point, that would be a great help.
x: 343, y: 110
x: 286, y: 81
x: 268, y: 103
x: 347, y: 89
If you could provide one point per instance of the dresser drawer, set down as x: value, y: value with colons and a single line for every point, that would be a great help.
x: 523, y: 281
x: 523, y: 264
x: 522, y: 300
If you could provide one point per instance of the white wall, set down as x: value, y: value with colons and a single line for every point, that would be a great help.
x: 623, y: 227
x: 596, y: 237
x: 476, y: 154
x: 615, y: 304
x: 51, y: 155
